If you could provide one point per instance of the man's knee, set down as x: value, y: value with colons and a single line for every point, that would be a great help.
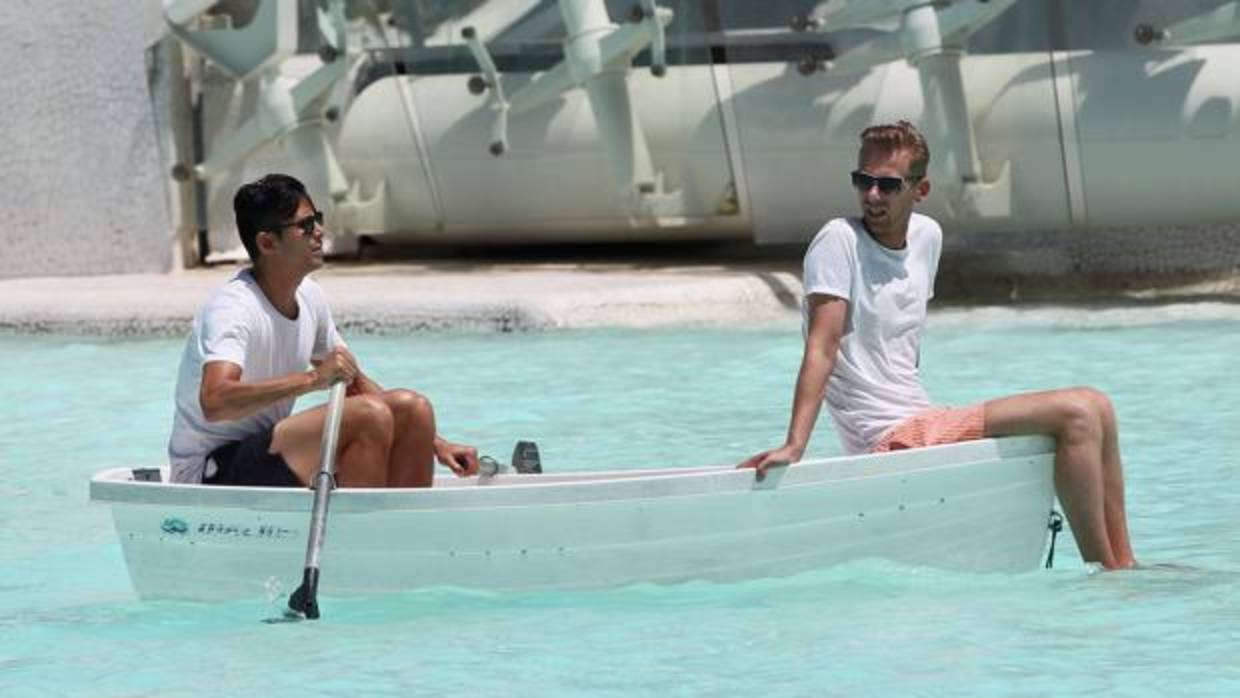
x: 368, y: 415
x: 1081, y: 411
x: 407, y: 405
x: 1101, y: 402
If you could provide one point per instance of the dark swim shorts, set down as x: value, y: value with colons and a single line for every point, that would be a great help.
x: 251, y: 464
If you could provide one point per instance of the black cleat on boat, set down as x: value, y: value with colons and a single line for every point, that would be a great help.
x: 525, y: 458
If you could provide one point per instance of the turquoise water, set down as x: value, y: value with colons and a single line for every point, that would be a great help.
x: 70, y: 625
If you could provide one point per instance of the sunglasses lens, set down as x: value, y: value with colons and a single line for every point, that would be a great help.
x: 307, y: 224
x: 889, y: 185
x: 886, y: 185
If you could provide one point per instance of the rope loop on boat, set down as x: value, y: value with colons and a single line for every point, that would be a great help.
x: 1055, y: 524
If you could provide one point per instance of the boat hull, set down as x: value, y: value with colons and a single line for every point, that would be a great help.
x: 980, y: 506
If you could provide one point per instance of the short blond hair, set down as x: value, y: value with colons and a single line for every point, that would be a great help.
x: 902, y: 135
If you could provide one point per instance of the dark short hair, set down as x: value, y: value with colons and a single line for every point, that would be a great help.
x: 266, y: 204
x: 892, y: 138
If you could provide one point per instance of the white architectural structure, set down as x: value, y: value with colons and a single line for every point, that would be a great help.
x: 1053, y: 123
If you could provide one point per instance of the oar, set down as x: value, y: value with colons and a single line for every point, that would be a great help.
x: 304, y: 603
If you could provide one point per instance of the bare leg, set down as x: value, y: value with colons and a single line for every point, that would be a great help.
x: 1113, y: 475
x: 365, y: 442
x: 413, y: 453
x: 1089, y: 487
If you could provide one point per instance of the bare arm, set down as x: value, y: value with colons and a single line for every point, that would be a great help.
x: 223, y: 396
x: 826, y: 327
x: 363, y: 385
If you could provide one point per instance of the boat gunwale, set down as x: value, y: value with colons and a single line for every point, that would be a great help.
x: 517, y: 490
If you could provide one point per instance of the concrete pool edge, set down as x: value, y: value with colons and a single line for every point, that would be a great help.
x: 402, y: 298
x: 394, y: 299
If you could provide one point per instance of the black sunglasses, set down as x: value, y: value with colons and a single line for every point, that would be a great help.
x: 886, y: 185
x: 307, y: 224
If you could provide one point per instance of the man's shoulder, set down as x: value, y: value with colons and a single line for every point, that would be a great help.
x: 921, y: 224
x: 238, y: 290
x: 236, y: 300
x: 839, y: 229
x: 841, y: 225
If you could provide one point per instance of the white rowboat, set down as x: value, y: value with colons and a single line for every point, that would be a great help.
x: 977, y: 506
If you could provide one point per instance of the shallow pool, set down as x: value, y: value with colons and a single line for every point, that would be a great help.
x: 70, y: 625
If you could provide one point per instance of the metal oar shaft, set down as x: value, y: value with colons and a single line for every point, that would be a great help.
x: 305, y: 599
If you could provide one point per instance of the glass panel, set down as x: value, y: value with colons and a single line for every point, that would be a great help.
x: 1110, y: 25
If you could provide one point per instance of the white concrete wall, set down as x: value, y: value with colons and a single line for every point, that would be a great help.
x: 81, y: 189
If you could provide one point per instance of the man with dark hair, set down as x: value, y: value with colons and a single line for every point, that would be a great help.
x: 267, y: 337
x: 867, y: 282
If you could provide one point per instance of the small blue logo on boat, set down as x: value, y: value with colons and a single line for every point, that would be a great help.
x: 175, y: 526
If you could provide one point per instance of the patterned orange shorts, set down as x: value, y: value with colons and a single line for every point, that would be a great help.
x: 935, y: 426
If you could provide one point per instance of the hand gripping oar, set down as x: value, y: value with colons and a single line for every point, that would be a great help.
x: 304, y: 603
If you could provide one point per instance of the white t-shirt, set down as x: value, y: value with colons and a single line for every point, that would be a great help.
x: 875, y: 383
x: 238, y: 324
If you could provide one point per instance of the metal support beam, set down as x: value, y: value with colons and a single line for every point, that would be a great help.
x: 291, y: 111
x: 598, y: 57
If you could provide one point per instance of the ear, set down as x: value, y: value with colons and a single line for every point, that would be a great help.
x: 266, y: 241
x: 922, y: 189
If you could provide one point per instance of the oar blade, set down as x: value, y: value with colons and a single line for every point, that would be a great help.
x: 304, y: 601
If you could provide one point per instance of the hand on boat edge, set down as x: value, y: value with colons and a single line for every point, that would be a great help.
x: 461, y: 459
x: 774, y: 458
